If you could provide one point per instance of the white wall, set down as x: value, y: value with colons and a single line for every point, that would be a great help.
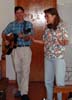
x: 64, y: 8
x: 66, y: 15
x: 64, y: 2
x: 6, y: 16
x: 6, y: 13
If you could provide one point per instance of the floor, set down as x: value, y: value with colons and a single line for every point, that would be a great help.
x: 36, y: 92
x: 11, y: 91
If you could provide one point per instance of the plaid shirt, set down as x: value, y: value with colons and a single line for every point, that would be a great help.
x: 16, y: 28
x: 52, y: 47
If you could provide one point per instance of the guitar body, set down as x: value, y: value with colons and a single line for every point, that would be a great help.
x: 12, y: 39
x: 7, y: 49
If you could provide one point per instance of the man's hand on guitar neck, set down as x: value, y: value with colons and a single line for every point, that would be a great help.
x: 20, y: 35
x: 25, y: 37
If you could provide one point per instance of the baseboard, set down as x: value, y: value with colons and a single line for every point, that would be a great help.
x: 12, y: 82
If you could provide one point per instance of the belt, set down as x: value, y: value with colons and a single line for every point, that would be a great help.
x: 23, y: 45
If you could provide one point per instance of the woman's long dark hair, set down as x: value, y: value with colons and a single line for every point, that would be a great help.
x: 53, y: 11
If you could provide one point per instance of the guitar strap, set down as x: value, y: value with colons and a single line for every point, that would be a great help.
x: 24, y: 28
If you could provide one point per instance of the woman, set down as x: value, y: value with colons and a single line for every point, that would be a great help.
x: 55, y: 38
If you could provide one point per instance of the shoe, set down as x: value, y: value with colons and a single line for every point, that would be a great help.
x: 25, y: 97
x: 70, y: 95
x: 18, y: 94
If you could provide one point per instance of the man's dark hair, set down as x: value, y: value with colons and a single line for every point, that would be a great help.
x: 53, y: 11
x: 17, y: 8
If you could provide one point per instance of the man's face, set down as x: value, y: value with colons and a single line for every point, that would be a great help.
x: 19, y: 15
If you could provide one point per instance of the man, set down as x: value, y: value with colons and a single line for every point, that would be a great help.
x: 22, y: 53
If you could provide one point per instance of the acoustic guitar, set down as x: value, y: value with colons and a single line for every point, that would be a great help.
x: 7, y: 49
x: 12, y: 39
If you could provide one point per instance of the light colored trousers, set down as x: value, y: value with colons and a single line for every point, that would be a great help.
x: 22, y: 60
x: 54, y: 68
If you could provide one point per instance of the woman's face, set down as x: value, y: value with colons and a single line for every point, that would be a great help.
x: 49, y: 18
